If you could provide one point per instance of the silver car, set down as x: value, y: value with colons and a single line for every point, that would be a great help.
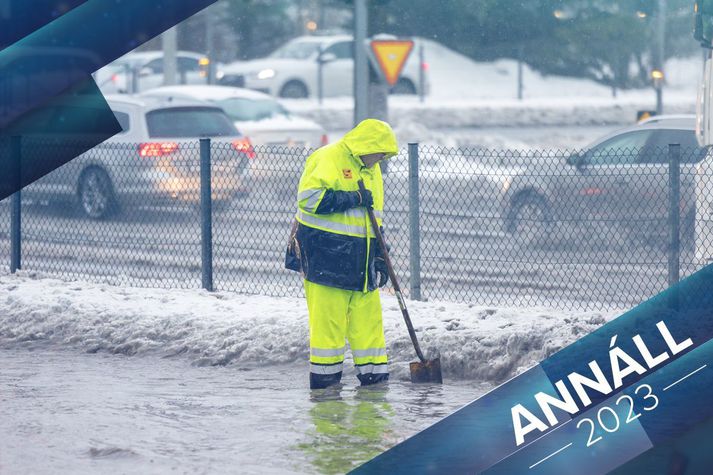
x: 620, y: 180
x: 154, y: 160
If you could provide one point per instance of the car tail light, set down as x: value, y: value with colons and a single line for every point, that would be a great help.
x: 325, y: 139
x: 114, y: 78
x: 157, y: 149
x: 244, y: 145
x: 424, y: 66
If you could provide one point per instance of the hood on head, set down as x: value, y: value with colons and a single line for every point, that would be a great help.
x: 371, y: 136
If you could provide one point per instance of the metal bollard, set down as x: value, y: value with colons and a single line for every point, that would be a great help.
x: 414, y: 223
x: 674, y: 213
x: 206, y: 217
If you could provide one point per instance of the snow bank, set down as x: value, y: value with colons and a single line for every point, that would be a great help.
x: 467, y: 93
x: 337, y: 114
x: 485, y: 343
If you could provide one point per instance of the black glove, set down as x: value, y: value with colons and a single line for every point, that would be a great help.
x: 366, y: 199
x: 335, y: 201
x: 382, y: 272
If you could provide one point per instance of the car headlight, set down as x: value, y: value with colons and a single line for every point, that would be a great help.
x: 266, y: 74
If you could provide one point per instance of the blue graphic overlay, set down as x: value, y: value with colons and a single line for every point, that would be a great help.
x: 59, y: 55
x: 20, y: 18
x: 473, y: 438
x: 609, y: 399
x: 68, y: 125
x: 658, y: 408
x: 54, y: 63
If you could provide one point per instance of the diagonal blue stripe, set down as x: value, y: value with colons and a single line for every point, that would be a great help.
x: 51, y: 67
x: 481, y: 434
x: 63, y: 53
x: 49, y: 137
x: 19, y: 18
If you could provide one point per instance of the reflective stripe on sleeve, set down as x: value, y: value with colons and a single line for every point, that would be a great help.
x: 327, y: 352
x: 313, y: 197
x: 360, y: 213
x: 369, y: 352
x: 325, y: 368
x: 370, y: 368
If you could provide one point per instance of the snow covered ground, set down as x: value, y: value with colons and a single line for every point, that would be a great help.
x: 97, y: 378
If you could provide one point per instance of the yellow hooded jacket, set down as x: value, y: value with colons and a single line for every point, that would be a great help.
x: 330, y: 245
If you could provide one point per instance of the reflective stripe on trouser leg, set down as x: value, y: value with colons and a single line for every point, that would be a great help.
x: 328, y: 308
x: 365, y: 332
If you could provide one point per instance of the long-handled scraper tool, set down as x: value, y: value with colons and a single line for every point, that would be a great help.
x: 424, y: 371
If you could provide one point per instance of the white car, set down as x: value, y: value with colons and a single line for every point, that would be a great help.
x: 291, y: 71
x: 146, y: 68
x: 256, y: 115
x: 152, y: 161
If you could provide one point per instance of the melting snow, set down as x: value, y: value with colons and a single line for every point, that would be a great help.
x: 486, y: 343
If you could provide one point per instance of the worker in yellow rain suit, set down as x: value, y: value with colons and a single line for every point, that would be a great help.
x: 343, y: 269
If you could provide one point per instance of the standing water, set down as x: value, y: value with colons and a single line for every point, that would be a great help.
x: 70, y: 412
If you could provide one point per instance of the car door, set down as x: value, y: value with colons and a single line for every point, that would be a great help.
x: 609, y: 181
x: 338, y: 74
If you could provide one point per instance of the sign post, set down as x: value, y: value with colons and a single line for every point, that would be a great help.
x: 361, y: 64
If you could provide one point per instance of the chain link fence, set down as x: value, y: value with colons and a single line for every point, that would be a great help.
x: 567, y: 229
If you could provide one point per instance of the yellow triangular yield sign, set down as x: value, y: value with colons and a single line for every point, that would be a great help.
x: 391, y: 56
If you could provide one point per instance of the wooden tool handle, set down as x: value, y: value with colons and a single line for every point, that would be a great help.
x: 392, y: 276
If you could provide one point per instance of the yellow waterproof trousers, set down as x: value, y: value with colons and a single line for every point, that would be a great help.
x: 337, y: 316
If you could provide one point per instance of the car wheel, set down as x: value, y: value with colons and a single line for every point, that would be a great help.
x: 96, y: 195
x: 404, y: 86
x: 294, y: 90
x: 531, y: 222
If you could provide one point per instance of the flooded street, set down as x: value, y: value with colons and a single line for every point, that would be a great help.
x: 69, y: 412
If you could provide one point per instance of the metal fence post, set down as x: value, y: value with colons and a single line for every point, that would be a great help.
x: 674, y: 213
x: 414, y: 224
x: 15, y: 208
x: 206, y: 217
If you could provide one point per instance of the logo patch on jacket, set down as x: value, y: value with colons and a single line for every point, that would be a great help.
x: 347, y: 173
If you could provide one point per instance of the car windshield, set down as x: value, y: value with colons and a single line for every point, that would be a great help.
x: 181, y: 122
x: 296, y: 50
x: 239, y: 109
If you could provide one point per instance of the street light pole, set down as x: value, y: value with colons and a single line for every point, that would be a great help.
x: 209, y: 45
x: 170, y: 47
x: 361, y: 67
x: 660, y: 53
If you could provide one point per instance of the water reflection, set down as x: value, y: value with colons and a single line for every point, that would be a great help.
x: 349, y: 427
